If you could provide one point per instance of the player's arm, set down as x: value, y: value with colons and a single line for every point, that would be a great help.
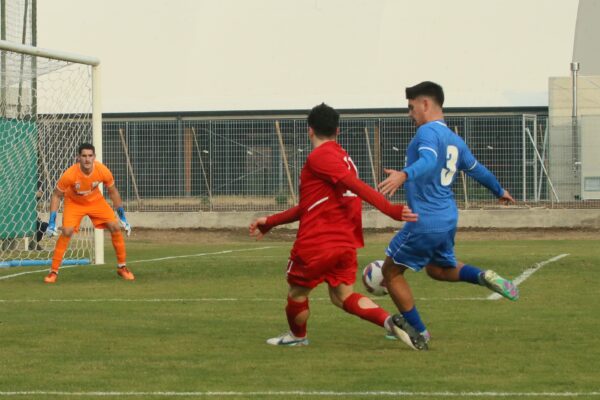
x: 115, y: 197
x: 487, y: 179
x: 469, y: 164
x: 398, y: 212
x: 425, y: 164
x: 55, y: 200
x: 260, y: 226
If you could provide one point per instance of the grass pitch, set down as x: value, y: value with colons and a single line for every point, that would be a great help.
x: 194, y: 324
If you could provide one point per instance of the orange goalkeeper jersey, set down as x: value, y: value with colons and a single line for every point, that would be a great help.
x: 81, y: 188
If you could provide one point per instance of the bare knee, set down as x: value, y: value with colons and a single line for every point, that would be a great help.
x: 435, y: 273
x: 390, y: 270
x: 67, y: 232
x: 113, y: 227
x: 447, y: 274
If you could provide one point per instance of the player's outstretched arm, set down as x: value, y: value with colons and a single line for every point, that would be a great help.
x: 367, y: 193
x: 487, y: 179
x: 260, y: 226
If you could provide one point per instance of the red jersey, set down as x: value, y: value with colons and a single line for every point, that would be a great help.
x: 330, y: 215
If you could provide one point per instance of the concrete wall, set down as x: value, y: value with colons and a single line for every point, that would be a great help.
x: 504, y: 218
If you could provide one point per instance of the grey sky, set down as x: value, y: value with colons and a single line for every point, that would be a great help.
x: 198, y: 55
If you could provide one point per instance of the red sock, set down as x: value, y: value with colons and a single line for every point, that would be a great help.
x: 375, y: 315
x: 292, y: 310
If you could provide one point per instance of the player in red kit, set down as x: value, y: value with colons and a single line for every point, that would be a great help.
x: 330, y: 231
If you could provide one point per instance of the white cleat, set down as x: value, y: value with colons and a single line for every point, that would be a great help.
x: 287, y: 339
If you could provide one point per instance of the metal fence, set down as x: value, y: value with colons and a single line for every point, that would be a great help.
x: 254, y: 164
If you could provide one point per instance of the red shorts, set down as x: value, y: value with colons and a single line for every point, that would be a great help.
x: 335, y: 266
x: 100, y: 212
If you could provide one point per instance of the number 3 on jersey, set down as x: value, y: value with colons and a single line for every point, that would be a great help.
x: 450, y: 169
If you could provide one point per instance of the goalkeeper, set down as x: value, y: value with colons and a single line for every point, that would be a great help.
x: 79, y: 186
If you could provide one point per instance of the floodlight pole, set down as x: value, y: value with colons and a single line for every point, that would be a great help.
x: 574, y: 130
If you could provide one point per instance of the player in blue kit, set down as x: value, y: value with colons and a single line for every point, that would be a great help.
x: 433, y: 157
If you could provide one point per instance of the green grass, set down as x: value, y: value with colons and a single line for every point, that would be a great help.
x: 80, y: 335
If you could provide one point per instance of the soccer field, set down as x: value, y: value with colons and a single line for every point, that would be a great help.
x: 194, y: 324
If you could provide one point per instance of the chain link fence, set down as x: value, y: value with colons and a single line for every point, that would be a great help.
x: 254, y: 164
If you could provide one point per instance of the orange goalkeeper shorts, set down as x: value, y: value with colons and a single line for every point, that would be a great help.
x: 100, y: 212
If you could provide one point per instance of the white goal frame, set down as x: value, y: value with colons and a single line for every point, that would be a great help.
x: 94, y: 62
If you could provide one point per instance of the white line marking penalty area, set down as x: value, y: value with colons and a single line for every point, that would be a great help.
x: 148, y: 260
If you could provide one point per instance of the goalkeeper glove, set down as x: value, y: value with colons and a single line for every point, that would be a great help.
x: 51, y: 229
x: 123, y: 220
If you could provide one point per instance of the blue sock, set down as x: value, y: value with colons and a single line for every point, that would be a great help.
x: 414, y: 319
x: 469, y: 273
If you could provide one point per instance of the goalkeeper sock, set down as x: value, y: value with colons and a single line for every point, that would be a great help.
x: 292, y: 311
x: 59, y: 251
x: 469, y: 273
x: 376, y: 315
x: 414, y: 319
x: 119, y: 244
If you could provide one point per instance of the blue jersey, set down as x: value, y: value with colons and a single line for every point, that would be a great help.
x: 433, y: 158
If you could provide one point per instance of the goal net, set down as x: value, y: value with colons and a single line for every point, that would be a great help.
x: 46, y: 109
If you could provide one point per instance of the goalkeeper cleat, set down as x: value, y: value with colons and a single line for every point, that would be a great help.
x: 406, y: 333
x: 288, y: 339
x: 126, y: 274
x: 500, y: 285
x: 51, y: 277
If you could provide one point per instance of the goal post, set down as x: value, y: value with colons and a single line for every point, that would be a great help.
x: 49, y: 105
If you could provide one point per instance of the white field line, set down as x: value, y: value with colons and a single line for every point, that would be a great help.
x: 201, y: 254
x: 139, y: 261
x: 208, y: 300
x: 303, y: 393
x: 527, y: 273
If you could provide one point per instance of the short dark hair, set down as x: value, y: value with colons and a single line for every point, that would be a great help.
x: 426, y: 88
x: 86, y: 146
x: 324, y: 120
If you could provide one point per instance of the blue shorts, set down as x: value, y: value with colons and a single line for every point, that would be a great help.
x: 416, y: 250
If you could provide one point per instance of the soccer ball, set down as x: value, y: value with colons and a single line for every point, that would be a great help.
x: 372, y: 278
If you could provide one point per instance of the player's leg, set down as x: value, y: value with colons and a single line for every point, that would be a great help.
x: 340, y: 277
x: 297, y: 313
x: 475, y: 275
x: 460, y: 272
x: 103, y: 216
x: 406, y: 250
x: 72, y: 215
x: 302, y: 277
x: 445, y: 267
x: 62, y: 243
x: 344, y: 297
